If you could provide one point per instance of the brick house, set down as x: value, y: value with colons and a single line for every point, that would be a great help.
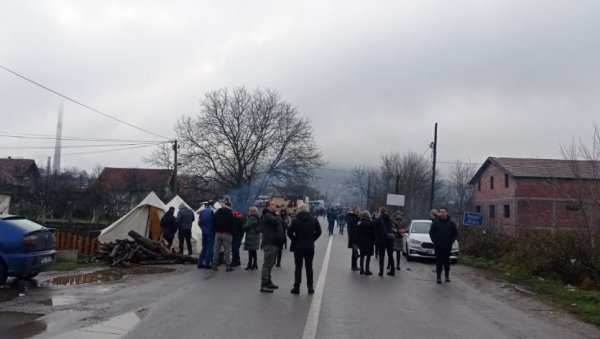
x: 18, y: 178
x: 123, y: 188
x: 517, y: 194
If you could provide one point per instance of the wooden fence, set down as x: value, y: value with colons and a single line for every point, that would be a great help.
x: 84, y: 244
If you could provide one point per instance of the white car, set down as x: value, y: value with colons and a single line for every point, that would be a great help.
x: 417, y: 243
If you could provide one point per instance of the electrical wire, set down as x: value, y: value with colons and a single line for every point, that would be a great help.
x: 71, y: 146
x: 106, y: 151
x: 80, y: 103
x: 65, y: 138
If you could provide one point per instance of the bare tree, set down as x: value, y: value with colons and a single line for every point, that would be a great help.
x: 364, y: 181
x: 162, y: 157
x: 460, y: 175
x: 247, y: 141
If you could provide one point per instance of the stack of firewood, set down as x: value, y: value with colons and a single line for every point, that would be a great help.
x: 139, y: 251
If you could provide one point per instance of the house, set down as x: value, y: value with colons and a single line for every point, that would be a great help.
x: 18, y: 178
x: 526, y: 194
x: 124, y: 188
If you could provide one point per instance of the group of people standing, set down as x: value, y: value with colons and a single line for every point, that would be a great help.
x: 381, y: 235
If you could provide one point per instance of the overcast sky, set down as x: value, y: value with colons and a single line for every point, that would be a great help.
x: 502, y: 78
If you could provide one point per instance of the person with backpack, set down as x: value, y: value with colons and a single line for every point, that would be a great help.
x: 208, y: 235
x: 252, y: 243
x: 273, y: 238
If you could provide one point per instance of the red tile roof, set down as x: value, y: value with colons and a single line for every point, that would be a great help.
x: 543, y: 168
x: 10, y: 169
x: 125, y: 179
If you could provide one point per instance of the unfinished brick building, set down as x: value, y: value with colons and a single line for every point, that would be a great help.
x: 524, y: 194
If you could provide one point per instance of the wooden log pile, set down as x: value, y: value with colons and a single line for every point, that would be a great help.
x: 139, y: 251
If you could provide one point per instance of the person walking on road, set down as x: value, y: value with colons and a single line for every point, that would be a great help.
x: 273, y: 238
x: 285, y: 222
x: 331, y: 218
x: 303, y: 233
x: 443, y: 233
x: 352, y: 219
x: 168, y: 226
x: 384, y: 241
x: 185, y: 218
x: 341, y: 220
x: 223, y: 236
x: 208, y: 235
x: 252, y: 243
x: 236, y: 240
x: 399, y: 230
x: 366, y: 240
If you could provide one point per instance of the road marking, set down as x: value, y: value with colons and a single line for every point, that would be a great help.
x: 310, y: 329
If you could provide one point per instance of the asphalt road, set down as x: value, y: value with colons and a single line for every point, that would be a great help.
x: 192, y: 303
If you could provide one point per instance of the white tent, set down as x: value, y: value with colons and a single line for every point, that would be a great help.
x: 196, y: 234
x: 143, y: 218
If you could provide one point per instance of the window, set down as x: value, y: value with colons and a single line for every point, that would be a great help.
x: 506, y: 180
x: 479, y: 184
x: 506, y: 211
x: 492, y: 211
x: 478, y: 209
x: 491, y: 183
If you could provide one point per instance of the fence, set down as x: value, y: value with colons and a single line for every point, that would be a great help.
x: 84, y: 244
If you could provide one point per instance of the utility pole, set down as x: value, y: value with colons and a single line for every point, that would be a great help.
x: 175, y: 168
x: 433, y: 146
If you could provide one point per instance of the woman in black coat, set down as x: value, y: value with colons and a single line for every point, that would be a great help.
x: 365, y: 234
x: 384, y: 241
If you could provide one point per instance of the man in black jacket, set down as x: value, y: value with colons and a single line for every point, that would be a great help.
x: 303, y: 232
x: 273, y: 238
x: 223, y: 234
x: 443, y: 233
x: 352, y: 220
x: 168, y: 226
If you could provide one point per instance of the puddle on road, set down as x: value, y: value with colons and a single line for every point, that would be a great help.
x: 60, y: 300
x: 17, y: 288
x: 106, y: 275
x: 20, y: 325
x: 116, y: 327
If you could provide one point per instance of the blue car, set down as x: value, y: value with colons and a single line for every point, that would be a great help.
x: 26, y: 248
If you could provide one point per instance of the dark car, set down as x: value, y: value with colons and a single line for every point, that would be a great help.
x: 26, y: 248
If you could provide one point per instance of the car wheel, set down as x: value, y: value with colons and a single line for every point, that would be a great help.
x: 28, y: 276
x: 3, y: 274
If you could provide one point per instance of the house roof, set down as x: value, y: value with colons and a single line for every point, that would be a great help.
x: 10, y: 169
x: 542, y: 168
x: 134, y: 178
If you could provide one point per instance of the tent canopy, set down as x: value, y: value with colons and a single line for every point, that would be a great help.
x: 143, y: 218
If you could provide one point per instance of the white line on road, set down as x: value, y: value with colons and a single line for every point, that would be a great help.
x: 310, y: 329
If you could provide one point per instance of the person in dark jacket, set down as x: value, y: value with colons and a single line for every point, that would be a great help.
x: 384, y: 241
x: 168, y: 226
x: 236, y: 240
x: 352, y: 219
x: 331, y: 218
x: 443, y: 233
x: 223, y: 236
x: 252, y: 243
x: 207, y: 227
x: 366, y: 240
x: 303, y: 233
x: 185, y: 218
x: 273, y: 238
x: 285, y: 222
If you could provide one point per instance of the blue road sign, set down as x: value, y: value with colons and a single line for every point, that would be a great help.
x: 472, y: 219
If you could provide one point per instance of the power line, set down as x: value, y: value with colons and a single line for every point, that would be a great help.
x: 76, y: 146
x: 65, y: 138
x: 81, y: 104
x: 105, y: 151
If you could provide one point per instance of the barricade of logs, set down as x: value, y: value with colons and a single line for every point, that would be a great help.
x: 139, y: 251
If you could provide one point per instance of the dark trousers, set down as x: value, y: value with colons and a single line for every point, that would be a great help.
x: 354, y: 258
x: 208, y: 247
x: 268, y: 263
x: 168, y: 236
x: 365, y: 263
x: 331, y: 226
x: 304, y: 256
x: 187, y: 236
x: 236, y: 242
x: 382, y: 249
x: 252, y: 259
x: 442, y: 260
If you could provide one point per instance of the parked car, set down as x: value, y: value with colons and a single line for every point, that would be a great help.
x: 26, y: 248
x: 417, y: 243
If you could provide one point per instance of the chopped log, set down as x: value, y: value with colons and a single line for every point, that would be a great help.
x: 154, y: 246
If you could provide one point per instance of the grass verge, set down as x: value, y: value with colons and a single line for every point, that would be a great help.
x: 585, y: 304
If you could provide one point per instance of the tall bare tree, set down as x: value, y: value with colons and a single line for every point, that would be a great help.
x: 460, y: 175
x: 247, y: 141
x: 363, y: 180
x: 161, y: 157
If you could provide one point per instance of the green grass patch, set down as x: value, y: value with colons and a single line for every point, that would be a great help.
x: 583, y: 303
x: 70, y: 266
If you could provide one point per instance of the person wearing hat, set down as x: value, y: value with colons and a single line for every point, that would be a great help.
x: 185, y: 218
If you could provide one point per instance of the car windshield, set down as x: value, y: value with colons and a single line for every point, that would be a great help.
x: 420, y: 227
x: 27, y: 226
